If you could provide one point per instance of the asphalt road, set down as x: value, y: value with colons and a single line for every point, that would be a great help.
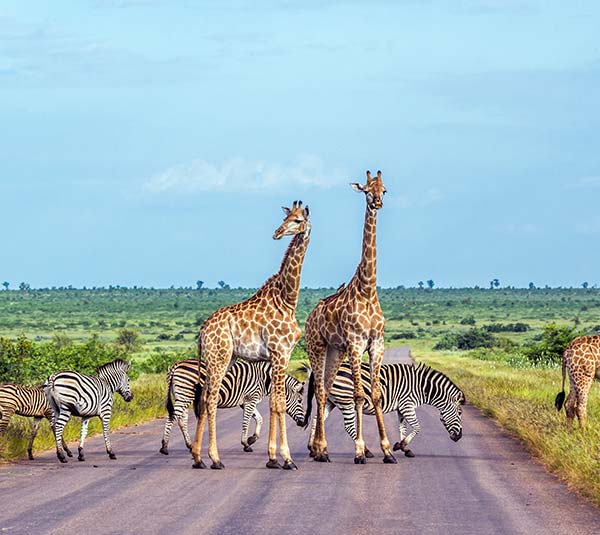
x: 484, y: 484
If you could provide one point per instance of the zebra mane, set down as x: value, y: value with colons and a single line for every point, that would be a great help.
x: 422, y: 368
x: 117, y: 363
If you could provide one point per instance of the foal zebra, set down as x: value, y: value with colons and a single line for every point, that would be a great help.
x: 25, y: 401
x: 403, y: 387
x: 245, y: 384
x: 71, y: 392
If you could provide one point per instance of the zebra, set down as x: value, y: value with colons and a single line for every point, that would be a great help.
x: 71, y: 392
x: 25, y: 401
x: 245, y: 384
x: 404, y: 387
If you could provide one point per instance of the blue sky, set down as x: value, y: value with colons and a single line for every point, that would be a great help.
x: 149, y: 143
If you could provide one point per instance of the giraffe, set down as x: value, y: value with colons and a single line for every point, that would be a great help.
x: 582, y: 360
x: 263, y: 327
x: 351, y: 322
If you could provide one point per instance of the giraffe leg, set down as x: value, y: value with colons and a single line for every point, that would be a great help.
x: 359, y: 400
x: 376, y: 350
x: 583, y: 389
x: 328, y: 408
x: 317, y: 354
x: 214, y: 379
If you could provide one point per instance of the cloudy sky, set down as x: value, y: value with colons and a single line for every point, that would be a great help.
x: 142, y: 143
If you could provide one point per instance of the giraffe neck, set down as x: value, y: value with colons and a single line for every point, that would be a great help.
x: 366, y: 273
x: 291, y: 266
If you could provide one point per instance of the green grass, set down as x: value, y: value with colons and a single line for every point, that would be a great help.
x: 148, y: 403
x: 522, y: 400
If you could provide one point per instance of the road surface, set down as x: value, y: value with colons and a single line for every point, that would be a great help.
x: 484, y: 484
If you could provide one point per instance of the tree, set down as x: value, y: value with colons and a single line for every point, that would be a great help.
x: 129, y: 340
x: 584, y: 285
x: 531, y: 286
x: 421, y: 284
x: 24, y: 286
x: 430, y: 284
x: 223, y: 285
x: 199, y: 284
x: 494, y: 283
x: 6, y: 284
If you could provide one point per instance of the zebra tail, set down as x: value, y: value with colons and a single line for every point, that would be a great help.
x: 197, y: 399
x: 169, y: 401
x: 52, y: 395
x: 560, y: 397
x: 309, y: 398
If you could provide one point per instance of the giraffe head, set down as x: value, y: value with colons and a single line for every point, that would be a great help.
x: 374, y: 189
x: 296, y: 220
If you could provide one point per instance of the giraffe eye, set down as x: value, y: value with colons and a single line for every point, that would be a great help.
x: 297, y: 220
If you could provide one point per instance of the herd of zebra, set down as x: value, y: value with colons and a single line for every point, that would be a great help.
x: 69, y: 393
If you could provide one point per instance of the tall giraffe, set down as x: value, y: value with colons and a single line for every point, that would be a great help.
x: 581, y: 359
x: 351, y: 322
x: 263, y: 327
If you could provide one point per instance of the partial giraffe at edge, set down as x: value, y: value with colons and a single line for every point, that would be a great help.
x: 581, y: 359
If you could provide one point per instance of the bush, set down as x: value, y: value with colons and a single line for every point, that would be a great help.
x: 403, y: 335
x: 469, y: 320
x: 472, y: 339
x: 161, y: 361
x: 128, y: 340
x: 507, y: 327
x: 552, y: 343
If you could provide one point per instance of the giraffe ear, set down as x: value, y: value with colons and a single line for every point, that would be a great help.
x: 357, y: 187
x: 286, y: 211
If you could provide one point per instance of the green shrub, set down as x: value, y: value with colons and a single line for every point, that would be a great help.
x: 507, y: 327
x: 551, y: 344
x: 471, y: 339
x: 469, y: 320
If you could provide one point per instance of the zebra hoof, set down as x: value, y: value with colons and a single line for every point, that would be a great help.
x: 289, y: 465
x: 360, y: 460
x: 390, y: 459
x: 368, y: 454
x: 112, y: 456
x: 397, y: 446
x: 68, y: 452
x: 81, y: 456
x: 62, y: 459
x: 164, y: 450
x: 248, y: 449
x: 408, y: 453
x: 273, y: 463
x: 217, y: 466
x: 322, y: 458
x: 199, y: 465
x: 252, y: 439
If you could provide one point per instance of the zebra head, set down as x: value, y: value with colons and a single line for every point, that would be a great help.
x: 115, y: 373
x: 294, y: 392
x: 451, y: 414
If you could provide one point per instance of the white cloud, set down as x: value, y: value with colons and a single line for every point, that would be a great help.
x: 239, y: 174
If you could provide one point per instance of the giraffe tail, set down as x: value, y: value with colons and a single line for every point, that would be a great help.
x: 309, y: 398
x: 560, y: 397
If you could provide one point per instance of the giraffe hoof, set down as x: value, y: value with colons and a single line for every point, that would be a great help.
x: 322, y: 458
x: 164, y: 450
x: 273, y: 463
x: 112, y: 456
x: 360, y: 460
x: 397, y: 446
x: 199, y: 465
x: 217, y: 466
x: 289, y: 465
x: 368, y: 454
x: 311, y: 453
x: 390, y: 459
x: 252, y: 439
x: 408, y: 453
x: 248, y: 449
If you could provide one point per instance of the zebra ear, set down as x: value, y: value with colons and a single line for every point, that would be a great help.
x: 128, y: 366
x: 463, y: 399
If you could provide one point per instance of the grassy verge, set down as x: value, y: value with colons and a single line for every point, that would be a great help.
x: 148, y: 403
x: 521, y: 399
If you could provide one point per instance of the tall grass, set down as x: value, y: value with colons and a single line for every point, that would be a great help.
x: 149, y: 396
x: 522, y: 400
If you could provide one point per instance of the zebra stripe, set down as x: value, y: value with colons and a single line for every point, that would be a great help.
x: 245, y: 384
x: 25, y: 401
x: 403, y: 388
x: 73, y: 393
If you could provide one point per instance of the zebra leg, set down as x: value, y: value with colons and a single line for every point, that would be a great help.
x: 259, y: 421
x: 164, y: 449
x: 359, y: 401
x: 402, y: 430
x: 350, y: 425
x: 248, y: 409
x: 50, y: 417
x: 183, y: 425
x: 84, y: 429
x: 105, y: 431
x: 6, y: 413
x: 34, y: 430
x: 413, y: 421
x: 60, y: 420
x: 376, y: 350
